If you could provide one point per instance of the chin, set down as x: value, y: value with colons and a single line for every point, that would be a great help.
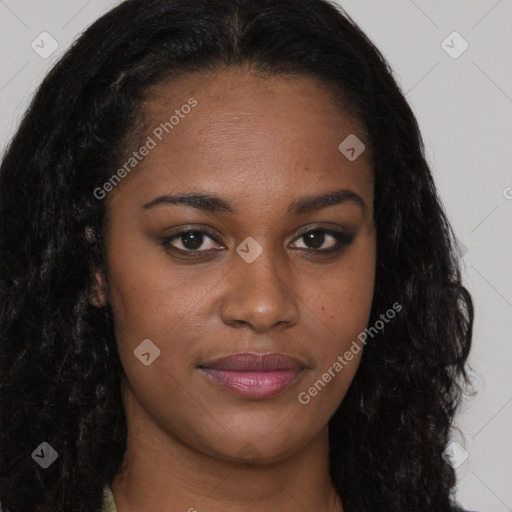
x: 259, y: 443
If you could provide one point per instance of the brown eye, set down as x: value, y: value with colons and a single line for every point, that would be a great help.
x: 315, y: 239
x: 190, y: 240
x: 330, y: 240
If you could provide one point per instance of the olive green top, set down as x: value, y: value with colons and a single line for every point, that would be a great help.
x: 108, y: 500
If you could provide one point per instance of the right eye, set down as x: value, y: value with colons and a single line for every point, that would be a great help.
x: 191, y: 240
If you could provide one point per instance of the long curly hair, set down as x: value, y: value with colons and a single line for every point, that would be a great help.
x: 60, y: 371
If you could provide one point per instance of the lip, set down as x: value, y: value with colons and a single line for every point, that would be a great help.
x: 252, y: 375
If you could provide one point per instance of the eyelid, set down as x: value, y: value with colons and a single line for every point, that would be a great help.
x: 321, y: 227
x: 198, y: 228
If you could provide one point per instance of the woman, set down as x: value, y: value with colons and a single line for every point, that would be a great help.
x: 227, y: 280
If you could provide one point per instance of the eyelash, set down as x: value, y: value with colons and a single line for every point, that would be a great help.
x: 343, y: 239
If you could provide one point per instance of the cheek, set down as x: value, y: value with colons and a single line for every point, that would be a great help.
x: 145, y: 292
x: 340, y: 308
x: 341, y: 317
x: 342, y: 301
x: 153, y: 299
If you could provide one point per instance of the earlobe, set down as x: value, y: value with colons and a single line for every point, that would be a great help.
x: 99, y: 296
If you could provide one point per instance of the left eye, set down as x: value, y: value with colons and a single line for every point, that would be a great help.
x: 316, y: 238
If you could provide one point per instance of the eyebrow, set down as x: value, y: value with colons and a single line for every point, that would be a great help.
x: 216, y: 204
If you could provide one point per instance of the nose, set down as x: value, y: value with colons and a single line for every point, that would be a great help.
x: 259, y: 295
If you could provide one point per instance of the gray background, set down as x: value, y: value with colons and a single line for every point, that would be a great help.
x: 464, y: 108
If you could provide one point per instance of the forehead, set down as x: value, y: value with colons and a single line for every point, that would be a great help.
x: 247, y: 135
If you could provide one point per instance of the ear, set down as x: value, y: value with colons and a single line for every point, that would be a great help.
x: 99, y: 295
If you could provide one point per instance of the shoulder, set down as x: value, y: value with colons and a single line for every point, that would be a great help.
x: 108, y: 500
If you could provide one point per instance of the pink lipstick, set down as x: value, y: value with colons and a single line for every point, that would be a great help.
x: 253, y: 375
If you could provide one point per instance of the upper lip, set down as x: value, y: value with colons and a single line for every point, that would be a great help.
x: 250, y: 361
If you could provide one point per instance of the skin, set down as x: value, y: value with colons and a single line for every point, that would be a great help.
x: 259, y: 143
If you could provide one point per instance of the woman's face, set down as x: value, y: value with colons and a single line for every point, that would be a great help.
x: 267, y: 275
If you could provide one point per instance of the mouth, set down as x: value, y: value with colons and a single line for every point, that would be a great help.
x: 252, y: 375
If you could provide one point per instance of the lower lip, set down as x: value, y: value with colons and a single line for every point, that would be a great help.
x: 253, y: 384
